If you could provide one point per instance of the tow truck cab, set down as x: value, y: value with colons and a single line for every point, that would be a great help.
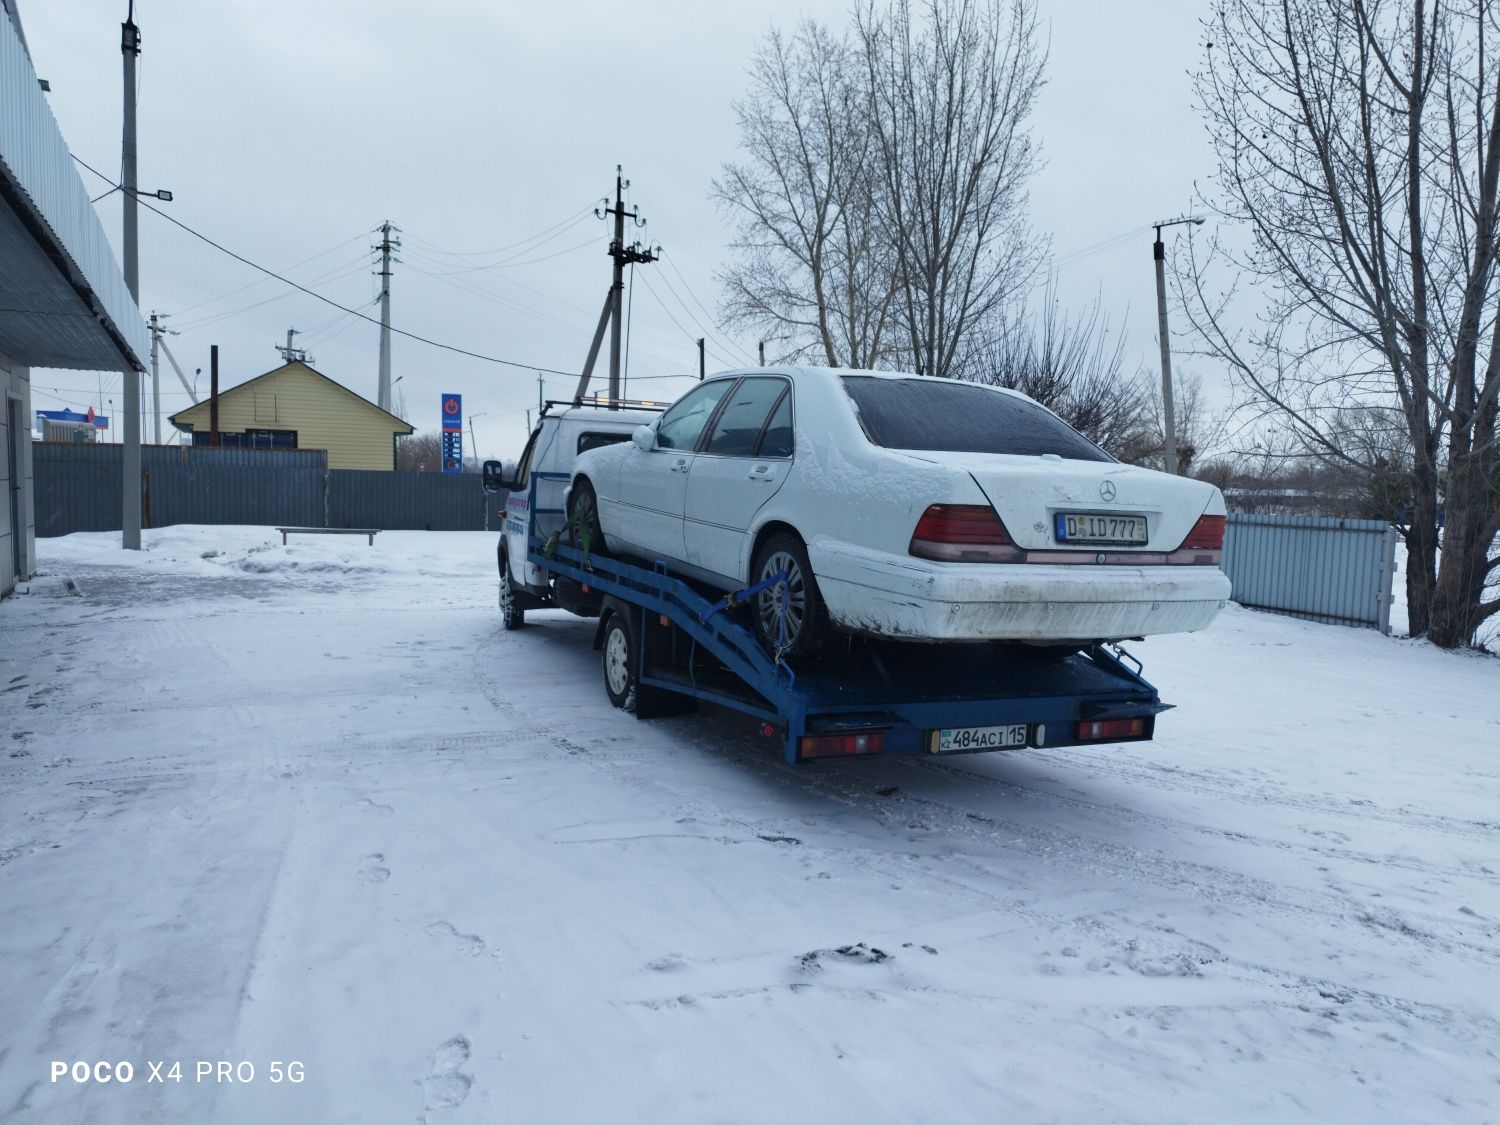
x: 563, y: 432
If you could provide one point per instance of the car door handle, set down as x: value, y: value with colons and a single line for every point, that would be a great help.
x: 763, y: 472
x: 680, y: 465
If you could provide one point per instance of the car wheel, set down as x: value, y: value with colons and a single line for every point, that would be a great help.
x: 512, y: 616
x: 790, y: 617
x: 621, y: 659
x: 583, y: 515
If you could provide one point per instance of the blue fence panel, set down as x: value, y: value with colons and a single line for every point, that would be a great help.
x: 1321, y: 568
x: 78, y: 488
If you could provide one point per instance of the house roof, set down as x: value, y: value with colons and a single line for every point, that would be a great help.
x: 398, y: 424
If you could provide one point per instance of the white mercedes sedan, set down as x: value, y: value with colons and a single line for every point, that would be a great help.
x: 905, y: 507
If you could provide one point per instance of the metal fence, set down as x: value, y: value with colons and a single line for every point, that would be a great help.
x: 77, y: 488
x: 1320, y: 568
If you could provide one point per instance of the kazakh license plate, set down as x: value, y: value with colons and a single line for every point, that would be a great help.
x: 1097, y: 527
x: 981, y: 738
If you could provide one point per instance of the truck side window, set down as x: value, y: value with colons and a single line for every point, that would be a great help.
x: 593, y: 440
x: 681, y: 426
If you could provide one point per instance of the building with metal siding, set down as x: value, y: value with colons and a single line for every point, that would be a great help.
x: 63, y: 299
x: 298, y: 407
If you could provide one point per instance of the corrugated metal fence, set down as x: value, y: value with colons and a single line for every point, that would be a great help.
x: 77, y: 488
x: 1321, y: 568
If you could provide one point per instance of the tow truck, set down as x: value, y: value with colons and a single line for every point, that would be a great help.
x: 669, y: 644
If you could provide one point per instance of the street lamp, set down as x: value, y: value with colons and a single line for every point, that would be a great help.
x: 1169, y: 422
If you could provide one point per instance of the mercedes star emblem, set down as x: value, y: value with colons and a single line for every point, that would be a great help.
x: 1107, y: 490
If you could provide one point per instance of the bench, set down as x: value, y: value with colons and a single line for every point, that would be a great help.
x: 371, y: 532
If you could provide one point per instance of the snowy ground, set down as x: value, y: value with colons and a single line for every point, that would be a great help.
x: 311, y: 804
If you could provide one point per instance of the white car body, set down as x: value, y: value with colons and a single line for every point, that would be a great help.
x: 855, y: 505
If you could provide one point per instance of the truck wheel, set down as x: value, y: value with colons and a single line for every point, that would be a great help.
x: 512, y: 616
x: 791, y: 618
x: 621, y: 660
x: 584, y: 504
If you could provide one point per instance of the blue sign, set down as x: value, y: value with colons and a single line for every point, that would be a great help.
x: 453, y: 434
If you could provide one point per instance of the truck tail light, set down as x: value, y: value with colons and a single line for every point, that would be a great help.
x: 840, y: 745
x: 1103, y: 730
x: 963, y: 533
x: 1204, y: 545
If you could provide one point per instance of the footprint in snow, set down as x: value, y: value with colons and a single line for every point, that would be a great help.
x: 470, y: 945
x: 376, y: 807
x: 446, y: 1086
x: 372, y: 868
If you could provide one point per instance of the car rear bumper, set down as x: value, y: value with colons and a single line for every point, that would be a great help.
x: 901, y: 596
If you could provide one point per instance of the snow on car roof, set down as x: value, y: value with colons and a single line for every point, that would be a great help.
x: 809, y: 374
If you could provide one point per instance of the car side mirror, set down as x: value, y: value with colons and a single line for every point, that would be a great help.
x: 494, y: 478
x: 644, y: 438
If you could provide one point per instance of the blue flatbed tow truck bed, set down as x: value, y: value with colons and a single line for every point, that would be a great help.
x: 882, y: 698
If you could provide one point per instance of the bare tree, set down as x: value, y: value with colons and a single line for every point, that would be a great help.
x: 951, y: 85
x: 1358, y: 144
x: 1198, y: 428
x: 811, y: 271
x: 1074, y: 366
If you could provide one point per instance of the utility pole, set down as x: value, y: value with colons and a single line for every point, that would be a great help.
x: 386, y: 246
x: 701, y: 371
x: 1169, y: 421
x: 156, y: 331
x: 473, y: 443
x: 762, y: 346
x: 291, y: 354
x: 623, y: 256
x: 538, y: 397
x: 130, y: 513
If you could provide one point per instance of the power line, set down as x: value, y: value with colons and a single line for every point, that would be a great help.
x: 724, y: 336
x: 258, y: 281
x: 326, y: 300
x: 563, y: 224
x: 650, y: 289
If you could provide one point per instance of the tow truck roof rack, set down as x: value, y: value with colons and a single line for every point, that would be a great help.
x: 606, y: 402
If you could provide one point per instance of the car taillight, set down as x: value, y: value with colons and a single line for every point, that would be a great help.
x: 1107, y: 729
x: 840, y: 745
x: 1207, y: 534
x: 1204, y: 544
x: 963, y: 533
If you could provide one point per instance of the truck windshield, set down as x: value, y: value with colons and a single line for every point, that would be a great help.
x: 930, y: 414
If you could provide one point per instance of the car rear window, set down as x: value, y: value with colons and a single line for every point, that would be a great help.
x: 928, y: 414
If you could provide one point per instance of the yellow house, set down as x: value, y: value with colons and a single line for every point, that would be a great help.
x: 296, y: 407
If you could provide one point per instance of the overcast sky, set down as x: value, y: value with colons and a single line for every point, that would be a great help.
x: 288, y: 130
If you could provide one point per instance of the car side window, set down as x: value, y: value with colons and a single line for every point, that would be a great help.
x: 681, y: 426
x: 776, y: 438
x: 744, y: 416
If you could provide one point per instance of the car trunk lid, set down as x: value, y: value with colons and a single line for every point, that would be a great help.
x: 1030, y: 493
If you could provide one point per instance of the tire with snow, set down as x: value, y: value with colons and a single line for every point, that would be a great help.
x: 621, y: 661
x: 584, y: 505
x: 790, y: 617
x: 512, y: 615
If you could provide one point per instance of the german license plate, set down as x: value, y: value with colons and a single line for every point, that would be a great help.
x: 1097, y: 527
x: 981, y: 738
